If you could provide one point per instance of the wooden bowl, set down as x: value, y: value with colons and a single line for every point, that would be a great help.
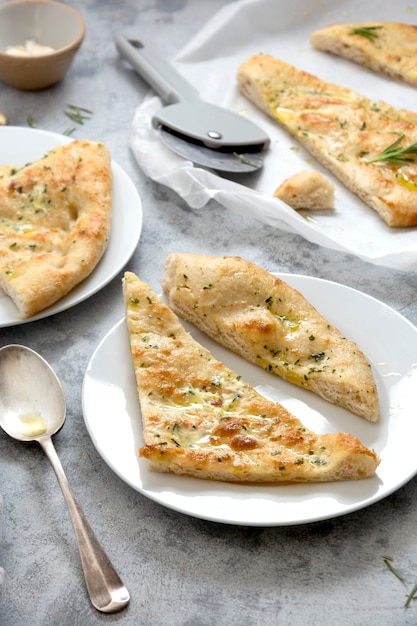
x: 47, y: 23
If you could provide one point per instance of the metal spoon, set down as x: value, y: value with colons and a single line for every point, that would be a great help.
x: 32, y: 408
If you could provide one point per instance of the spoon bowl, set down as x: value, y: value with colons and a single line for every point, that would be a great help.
x: 32, y: 408
x: 32, y: 402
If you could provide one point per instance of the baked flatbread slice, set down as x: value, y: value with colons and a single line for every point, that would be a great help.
x: 306, y: 190
x: 269, y: 323
x: 201, y: 419
x: 343, y: 130
x: 55, y: 220
x: 386, y: 47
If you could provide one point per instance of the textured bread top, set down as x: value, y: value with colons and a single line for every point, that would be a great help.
x: 387, y: 47
x: 306, y: 190
x: 343, y: 130
x: 55, y: 220
x: 271, y: 324
x: 201, y: 419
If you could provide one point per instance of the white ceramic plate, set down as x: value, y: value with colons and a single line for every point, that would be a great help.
x: 112, y: 416
x: 22, y: 145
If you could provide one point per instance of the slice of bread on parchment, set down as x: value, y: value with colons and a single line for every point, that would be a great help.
x: 386, y: 47
x: 345, y: 131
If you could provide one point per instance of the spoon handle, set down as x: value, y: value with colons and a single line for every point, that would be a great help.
x: 106, y: 590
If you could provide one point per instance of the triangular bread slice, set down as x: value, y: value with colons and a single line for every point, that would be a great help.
x: 343, y: 130
x: 201, y: 419
x: 268, y: 322
x: 55, y: 220
x: 386, y: 47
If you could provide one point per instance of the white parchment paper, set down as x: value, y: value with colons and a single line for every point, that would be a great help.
x: 210, y: 61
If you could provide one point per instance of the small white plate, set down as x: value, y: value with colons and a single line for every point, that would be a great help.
x: 22, y: 145
x: 112, y: 415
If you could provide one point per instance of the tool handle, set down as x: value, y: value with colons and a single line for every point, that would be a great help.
x: 106, y: 590
x: 157, y: 72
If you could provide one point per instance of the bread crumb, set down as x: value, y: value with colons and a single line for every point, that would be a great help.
x: 306, y: 190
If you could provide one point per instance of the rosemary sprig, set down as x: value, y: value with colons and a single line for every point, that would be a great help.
x: 411, y: 596
x: 243, y: 159
x: 394, y: 154
x: 369, y: 32
x: 388, y: 562
x: 77, y: 114
x: 413, y: 593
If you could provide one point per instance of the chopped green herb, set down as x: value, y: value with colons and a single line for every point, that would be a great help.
x: 369, y: 32
x: 411, y: 596
x: 394, y: 154
x: 388, y: 562
x: 77, y: 114
x: 244, y: 159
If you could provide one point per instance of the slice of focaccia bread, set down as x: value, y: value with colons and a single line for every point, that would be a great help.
x: 268, y: 322
x: 343, y: 130
x: 201, y: 419
x: 387, y: 47
x: 55, y: 220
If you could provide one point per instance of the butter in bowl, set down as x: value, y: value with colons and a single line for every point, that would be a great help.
x: 38, y: 41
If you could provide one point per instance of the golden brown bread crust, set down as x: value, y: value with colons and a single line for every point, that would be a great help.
x: 268, y: 322
x: 306, y: 190
x: 387, y: 47
x: 342, y: 130
x: 55, y: 219
x: 201, y: 419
